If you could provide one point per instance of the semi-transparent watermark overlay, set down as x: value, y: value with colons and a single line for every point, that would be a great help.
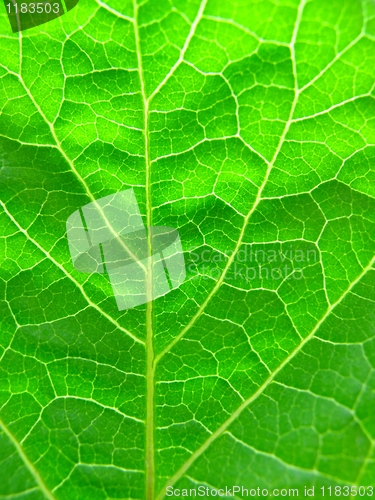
x: 253, y: 262
x: 24, y: 15
x: 248, y: 492
x: 108, y: 236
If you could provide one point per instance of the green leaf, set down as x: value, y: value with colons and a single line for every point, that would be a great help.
x: 249, y: 127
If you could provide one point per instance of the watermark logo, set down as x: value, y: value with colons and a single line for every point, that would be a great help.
x: 24, y: 15
x: 255, y: 264
x: 108, y: 236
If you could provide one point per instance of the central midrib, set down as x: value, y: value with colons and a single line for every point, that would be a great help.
x: 150, y: 357
x: 150, y: 425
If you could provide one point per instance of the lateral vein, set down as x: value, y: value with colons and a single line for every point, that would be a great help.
x: 261, y: 389
x: 30, y: 466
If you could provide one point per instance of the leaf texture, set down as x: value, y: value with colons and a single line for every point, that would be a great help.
x: 249, y: 127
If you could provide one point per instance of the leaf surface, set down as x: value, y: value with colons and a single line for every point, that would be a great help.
x: 249, y: 127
